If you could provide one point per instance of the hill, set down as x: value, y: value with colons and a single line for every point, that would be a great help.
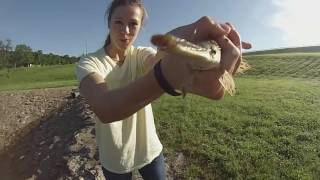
x: 293, y: 65
x: 307, y: 49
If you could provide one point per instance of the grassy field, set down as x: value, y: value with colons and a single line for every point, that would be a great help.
x: 269, y: 130
x: 37, y: 77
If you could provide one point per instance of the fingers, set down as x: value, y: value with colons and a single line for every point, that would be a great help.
x: 231, y: 49
x: 206, y: 28
x: 209, y: 29
x: 236, y: 39
x: 230, y: 53
x: 226, y: 28
x: 234, y: 35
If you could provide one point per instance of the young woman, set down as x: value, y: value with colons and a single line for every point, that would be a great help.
x: 119, y: 84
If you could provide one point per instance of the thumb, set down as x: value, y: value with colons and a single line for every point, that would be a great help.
x: 246, y: 45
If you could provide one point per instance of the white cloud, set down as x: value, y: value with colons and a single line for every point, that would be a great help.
x: 299, y: 20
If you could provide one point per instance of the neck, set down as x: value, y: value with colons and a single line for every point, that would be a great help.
x: 114, y: 53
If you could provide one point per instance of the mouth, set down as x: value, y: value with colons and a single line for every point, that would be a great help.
x: 126, y: 41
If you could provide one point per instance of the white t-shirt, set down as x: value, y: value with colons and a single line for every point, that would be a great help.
x: 131, y: 143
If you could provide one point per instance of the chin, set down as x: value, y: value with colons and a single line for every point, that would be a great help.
x: 125, y: 46
x: 122, y: 47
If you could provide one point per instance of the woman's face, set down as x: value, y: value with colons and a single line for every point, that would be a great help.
x: 124, y: 26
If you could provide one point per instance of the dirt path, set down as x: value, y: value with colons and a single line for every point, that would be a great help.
x: 20, y: 110
x: 47, y: 134
x: 41, y: 136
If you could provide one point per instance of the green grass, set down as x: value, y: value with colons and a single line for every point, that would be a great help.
x: 37, y: 77
x: 269, y: 130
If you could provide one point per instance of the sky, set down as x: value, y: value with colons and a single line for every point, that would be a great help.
x: 75, y: 27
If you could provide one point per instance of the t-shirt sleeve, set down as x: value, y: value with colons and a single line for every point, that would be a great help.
x: 142, y: 56
x: 84, y: 67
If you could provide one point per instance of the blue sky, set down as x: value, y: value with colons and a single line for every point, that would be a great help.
x: 74, y: 26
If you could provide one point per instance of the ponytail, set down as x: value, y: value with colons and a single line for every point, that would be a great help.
x: 107, y: 41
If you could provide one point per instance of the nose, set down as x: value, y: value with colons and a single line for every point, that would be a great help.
x: 125, y: 29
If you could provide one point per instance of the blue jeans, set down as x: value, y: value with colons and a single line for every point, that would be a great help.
x: 153, y: 171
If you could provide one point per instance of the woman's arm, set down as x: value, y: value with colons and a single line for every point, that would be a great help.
x: 114, y: 105
x: 151, y: 61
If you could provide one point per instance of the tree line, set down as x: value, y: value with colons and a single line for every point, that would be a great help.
x: 22, y: 56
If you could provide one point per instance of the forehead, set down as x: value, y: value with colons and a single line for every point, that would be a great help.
x: 129, y: 12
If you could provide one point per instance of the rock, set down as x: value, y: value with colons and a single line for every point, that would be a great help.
x: 51, y: 146
x: 136, y: 175
x: 56, y: 139
x: 180, y: 161
x: 89, y: 165
x: 97, y: 172
x: 21, y: 157
x: 33, y: 177
x: 42, y: 142
x: 74, y: 164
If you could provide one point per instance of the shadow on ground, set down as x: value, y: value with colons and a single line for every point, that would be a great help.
x: 41, y: 151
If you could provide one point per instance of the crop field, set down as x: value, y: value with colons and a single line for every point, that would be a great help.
x: 286, y: 65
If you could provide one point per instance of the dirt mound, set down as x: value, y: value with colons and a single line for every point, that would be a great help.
x: 37, y: 129
x: 22, y: 110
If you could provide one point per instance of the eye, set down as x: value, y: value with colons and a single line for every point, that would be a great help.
x: 133, y: 24
x: 117, y: 22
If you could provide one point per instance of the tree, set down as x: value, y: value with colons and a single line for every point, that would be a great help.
x: 8, y: 45
x: 23, y: 56
x: 37, y: 57
x: 66, y: 59
x: 5, y: 54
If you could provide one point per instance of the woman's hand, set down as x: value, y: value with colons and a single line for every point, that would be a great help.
x: 234, y: 36
x: 204, y: 83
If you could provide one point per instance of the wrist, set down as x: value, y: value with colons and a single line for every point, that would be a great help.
x: 162, y: 80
